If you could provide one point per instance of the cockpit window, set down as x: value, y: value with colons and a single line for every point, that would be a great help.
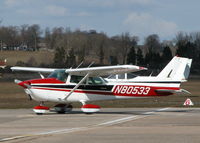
x: 59, y: 74
x: 95, y: 80
x: 129, y: 75
x: 121, y: 76
x: 112, y: 77
x: 75, y: 78
x: 62, y: 76
x: 91, y: 80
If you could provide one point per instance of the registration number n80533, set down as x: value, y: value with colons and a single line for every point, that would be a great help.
x: 127, y: 89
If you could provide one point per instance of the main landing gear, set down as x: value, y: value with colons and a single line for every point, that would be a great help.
x: 63, y: 108
x: 59, y: 108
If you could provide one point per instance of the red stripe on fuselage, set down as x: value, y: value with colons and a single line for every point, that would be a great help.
x: 120, y: 90
x: 45, y: 80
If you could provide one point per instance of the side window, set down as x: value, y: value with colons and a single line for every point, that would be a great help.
x: 95, y: 80
x: 121, y: 76
x: 91, y: 80
x: 98, y: 80
x: 112, y: 77
x: 76, y: 79
x: 131, y: 76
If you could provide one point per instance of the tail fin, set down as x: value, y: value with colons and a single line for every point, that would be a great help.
x: 177, y: 69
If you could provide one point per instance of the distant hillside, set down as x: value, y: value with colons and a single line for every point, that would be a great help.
x: 37, y: 57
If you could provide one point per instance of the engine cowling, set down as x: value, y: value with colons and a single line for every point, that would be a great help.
x: 90, y: 108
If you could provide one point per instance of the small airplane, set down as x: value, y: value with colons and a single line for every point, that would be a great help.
x: 83, y: 85
x: 71, y: 85
x: 3, y: 64
x: 178, y: 69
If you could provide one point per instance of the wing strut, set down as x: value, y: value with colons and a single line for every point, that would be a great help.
x: 41, y: 75
x: 82, y: 80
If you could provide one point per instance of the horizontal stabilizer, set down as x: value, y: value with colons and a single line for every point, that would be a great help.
x: 169, y: 92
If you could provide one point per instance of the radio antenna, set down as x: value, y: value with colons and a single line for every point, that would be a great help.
x: 79, y: 65
x: 91, y: 64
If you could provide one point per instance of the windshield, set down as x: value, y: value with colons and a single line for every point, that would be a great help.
x: 62, y: 76
x: 59, y: 74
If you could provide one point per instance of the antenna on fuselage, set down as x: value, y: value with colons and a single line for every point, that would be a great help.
x: 41, y: 75
x: 151, y: 73
x: 79, y: 65
x: 91, y: 64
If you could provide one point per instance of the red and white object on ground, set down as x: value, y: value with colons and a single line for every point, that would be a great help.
x: 40, y: 109
x: 188, y: 102
x: 90, y: 108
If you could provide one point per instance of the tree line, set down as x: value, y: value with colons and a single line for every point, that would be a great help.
x: 73, y: 47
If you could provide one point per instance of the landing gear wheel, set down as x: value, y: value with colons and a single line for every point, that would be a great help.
x: 90, y: 108
x: 69, y: 108
x: 39, y: 113
x: 63, y: 108
x: 40, y: 110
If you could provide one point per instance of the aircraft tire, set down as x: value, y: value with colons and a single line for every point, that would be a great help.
x: 63, y: 108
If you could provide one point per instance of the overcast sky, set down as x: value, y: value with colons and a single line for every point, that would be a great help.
x: 138, y: 17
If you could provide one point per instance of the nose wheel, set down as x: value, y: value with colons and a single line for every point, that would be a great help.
x: 41, y: 109
x: 90, y: 108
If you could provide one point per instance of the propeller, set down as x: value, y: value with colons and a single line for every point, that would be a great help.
x: 24, y: 84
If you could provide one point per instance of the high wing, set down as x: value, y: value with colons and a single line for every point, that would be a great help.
x: 99, y: 71
x: 104, y: 70
x: 93, y: 71
x: 33, y: 69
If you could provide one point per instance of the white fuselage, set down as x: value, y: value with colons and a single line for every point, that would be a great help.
x: 39, y: 93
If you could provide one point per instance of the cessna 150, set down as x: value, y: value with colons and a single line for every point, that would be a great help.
x: 65, y: 86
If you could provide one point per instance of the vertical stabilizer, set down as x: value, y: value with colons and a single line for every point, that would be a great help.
x: 177, y: 69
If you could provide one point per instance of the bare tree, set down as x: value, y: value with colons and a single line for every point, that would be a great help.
x: 126, y: 43
x: 153, y: 43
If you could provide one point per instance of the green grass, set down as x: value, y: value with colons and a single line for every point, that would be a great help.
x: 12, y: 96
x: 13, y: 57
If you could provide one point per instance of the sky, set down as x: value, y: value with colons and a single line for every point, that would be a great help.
x: 113, y: 17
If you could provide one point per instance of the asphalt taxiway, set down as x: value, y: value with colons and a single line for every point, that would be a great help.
x: 114, y: 125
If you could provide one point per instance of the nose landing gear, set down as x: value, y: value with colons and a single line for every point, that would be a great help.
x: 90, y: 108
x: 40, y: 109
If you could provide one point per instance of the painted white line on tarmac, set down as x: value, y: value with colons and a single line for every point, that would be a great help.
x: 131, y: 118
x: 70, y: 130
x: 44, y: 133
x: 158, y: 110
x: 117, y: 121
